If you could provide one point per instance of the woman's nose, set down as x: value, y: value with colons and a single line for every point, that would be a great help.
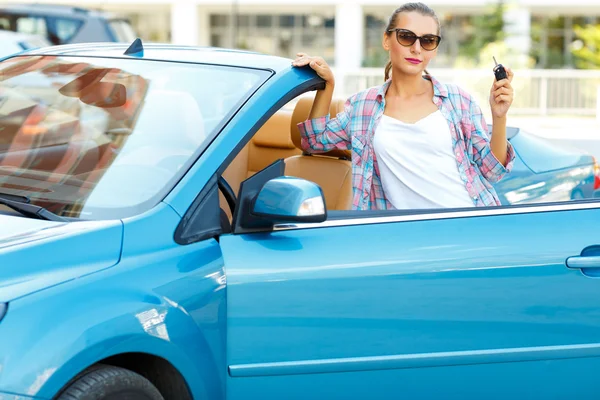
x: 416, y: 47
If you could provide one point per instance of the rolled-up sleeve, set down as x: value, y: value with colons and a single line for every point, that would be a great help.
x: 491, y: 168
x: 325, y: 133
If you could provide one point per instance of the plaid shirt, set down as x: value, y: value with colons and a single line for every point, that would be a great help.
x: 355, y: 127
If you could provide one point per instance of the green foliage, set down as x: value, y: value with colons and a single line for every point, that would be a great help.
x: 486, y: 28
x: 587, y: 49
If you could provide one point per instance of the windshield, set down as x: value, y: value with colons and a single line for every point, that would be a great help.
x: 107, y: 138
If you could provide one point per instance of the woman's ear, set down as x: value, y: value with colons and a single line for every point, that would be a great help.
x: 385, y: 42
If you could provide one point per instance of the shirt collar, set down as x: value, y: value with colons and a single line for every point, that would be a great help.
x: 439, y: 90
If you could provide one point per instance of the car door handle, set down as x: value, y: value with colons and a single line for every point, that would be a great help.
x: 583, y: 262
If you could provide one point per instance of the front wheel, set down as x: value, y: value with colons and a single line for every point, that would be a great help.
x: 111, y: 383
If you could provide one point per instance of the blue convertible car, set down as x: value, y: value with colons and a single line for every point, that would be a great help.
x: 162, y: 236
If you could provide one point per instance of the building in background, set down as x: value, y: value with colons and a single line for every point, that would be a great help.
x: 347, y: 33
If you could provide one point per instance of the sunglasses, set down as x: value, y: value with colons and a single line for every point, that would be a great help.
x: 407, y: 38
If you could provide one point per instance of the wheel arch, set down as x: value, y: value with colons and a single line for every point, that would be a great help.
x: 164, y: 376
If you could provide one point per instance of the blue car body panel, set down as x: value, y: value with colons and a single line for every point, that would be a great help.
x: 59, y: 253
x: 411, y: 307
x: 466, y: 305
x: 161, y: 299
x: 542, y: 156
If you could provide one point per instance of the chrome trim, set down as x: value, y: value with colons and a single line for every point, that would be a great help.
x: 583, y: 262
x: 511, y: 210
x: 418, y: 360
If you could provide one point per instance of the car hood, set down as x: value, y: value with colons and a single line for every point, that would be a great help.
x: 36, y: 254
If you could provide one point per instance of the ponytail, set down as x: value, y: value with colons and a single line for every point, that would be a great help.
x: 388, y: 68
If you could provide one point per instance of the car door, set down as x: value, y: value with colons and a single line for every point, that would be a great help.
x: 453, y: 304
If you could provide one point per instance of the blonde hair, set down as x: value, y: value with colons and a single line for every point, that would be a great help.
x: 408, y: 7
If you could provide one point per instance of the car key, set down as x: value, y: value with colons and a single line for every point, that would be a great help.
x: 499, y: 70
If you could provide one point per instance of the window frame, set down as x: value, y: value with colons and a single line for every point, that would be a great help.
x: 355, y: 217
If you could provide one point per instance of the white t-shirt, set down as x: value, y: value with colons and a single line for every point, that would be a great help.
x: 417, y: 164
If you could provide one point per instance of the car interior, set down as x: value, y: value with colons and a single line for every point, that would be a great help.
x: 279, y: 138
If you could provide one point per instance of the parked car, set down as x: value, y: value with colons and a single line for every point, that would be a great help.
x: 62, y: 24
x: 544, y: 172
x: 197, y: 253
x: 12, y: 42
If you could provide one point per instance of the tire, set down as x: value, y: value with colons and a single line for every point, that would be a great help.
x: 110, y: 383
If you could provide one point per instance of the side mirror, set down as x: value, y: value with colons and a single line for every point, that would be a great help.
x: 289, y: 199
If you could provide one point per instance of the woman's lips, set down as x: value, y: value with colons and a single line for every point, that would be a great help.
x: 413, y: 60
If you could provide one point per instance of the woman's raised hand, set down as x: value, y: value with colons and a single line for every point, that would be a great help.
x: 316, y: 63
x: 501, y: 95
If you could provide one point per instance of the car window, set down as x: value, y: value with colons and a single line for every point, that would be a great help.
x: 107, y: 138
x: 32, y: 25
x: 65, y: 28
x: 122, y: 30
x: 5, y: 23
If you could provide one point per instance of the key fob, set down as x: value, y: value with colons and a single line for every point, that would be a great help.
x: 500, y: 72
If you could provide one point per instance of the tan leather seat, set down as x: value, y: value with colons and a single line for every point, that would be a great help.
x: 271, y: 143
x: 279, y: 138
x: 332, y: 171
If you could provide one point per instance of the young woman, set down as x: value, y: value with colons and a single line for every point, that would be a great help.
x: 416, y: 142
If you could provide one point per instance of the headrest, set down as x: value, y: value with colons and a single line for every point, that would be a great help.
x: 301, y: 113
x: 275, y: 132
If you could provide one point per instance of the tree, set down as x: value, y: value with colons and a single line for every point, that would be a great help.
x: 587, y: 48
x: 486, y: 28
